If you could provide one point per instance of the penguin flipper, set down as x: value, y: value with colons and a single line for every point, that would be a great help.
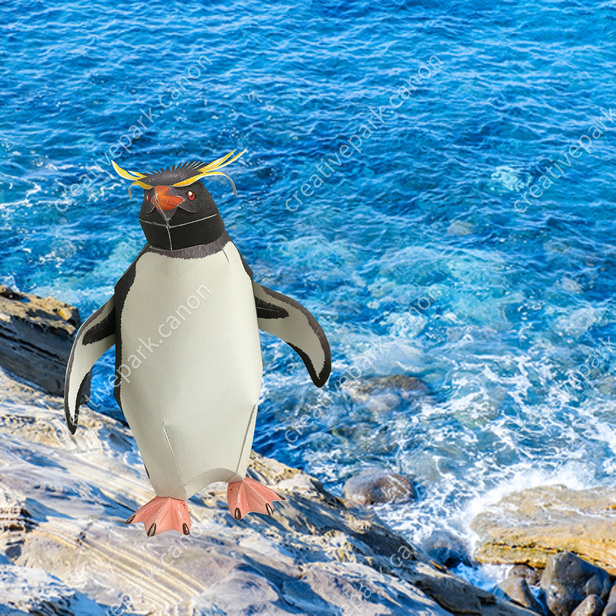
x: 288, y: 320
x: 94, y: 337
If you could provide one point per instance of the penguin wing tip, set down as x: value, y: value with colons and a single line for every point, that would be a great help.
x: 72, y: 426
x: 321, y: 379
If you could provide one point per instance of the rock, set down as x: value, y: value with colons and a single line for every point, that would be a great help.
x: 610, y: 607
x: 36, y: 336
x: 15, y: 520
x: 591, y: 606
x: 377, y: 486
x: 532, y: 576
x: 529, y: 526
x: 453, y: 594
x: 63, y: 539
x: 348, y: 588
x: 447, y: 550
x: 382, y: 394
x: 460, y: 228
x: 25, y: 590
x: 568, y: 580
x: 516, y: 589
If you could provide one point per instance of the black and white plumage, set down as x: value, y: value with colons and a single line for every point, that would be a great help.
x: 185, y: 319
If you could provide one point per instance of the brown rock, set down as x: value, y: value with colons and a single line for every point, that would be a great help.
x: 403, y: 382
x: 532, y: 576
x: 516, y: 589
x: 384, y: 393
x: 591, y: 606
x: 610, y: 608
x: 36, y: 336
x: 529, y: 526
x: 376, y: 486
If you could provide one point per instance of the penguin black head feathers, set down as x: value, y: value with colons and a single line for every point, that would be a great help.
x: 177, y: 210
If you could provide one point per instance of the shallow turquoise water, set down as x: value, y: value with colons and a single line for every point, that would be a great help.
x: 509, y: 298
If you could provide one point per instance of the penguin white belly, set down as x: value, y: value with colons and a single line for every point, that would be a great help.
x: 191, y: 368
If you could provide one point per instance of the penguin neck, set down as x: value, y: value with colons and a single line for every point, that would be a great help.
x: 166, y: 236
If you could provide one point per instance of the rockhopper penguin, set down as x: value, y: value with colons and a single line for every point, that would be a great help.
x: 185, y: 319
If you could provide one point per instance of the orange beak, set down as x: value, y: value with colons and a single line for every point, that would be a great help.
x: 163, y: 201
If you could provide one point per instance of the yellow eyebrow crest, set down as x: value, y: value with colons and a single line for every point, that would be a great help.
x: 127, y: 175
x: 200, y: 172
x: 212, y: 169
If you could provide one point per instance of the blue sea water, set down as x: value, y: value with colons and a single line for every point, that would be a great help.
x: 417, y: 250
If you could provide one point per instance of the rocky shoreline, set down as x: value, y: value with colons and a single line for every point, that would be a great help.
x: 568, y: 534
x: 63, y: 503
x: 531, y: 525
x: 65, y: 549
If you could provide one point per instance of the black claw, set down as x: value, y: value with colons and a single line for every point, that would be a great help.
x: 152, y: 530
x: 269, y: 508
x: 238, y: 514
x: 185, y: 529
x: 132, y: 517
x: 281, y: 496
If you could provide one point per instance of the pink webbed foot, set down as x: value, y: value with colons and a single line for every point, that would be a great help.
x: 249, y: 495
x: 163, y: 513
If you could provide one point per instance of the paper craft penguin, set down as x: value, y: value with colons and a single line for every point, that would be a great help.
x: 185, y: 319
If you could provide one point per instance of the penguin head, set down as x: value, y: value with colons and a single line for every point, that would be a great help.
x: 177, y: 210
x: 174, y: 217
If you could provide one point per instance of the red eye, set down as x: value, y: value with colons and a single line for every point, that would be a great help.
x: 191, y: 195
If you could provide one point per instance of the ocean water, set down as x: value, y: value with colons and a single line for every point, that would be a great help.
x: 434, y: 180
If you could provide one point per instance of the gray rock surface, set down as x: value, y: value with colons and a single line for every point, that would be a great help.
x: 568, y: 580
x: 516, y: 589
x: 36, y: 336
x: 377, y: 486
x: 27, y: 590
x: 591, y: 606
x: 64, y: 547
x: 610, y: 607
